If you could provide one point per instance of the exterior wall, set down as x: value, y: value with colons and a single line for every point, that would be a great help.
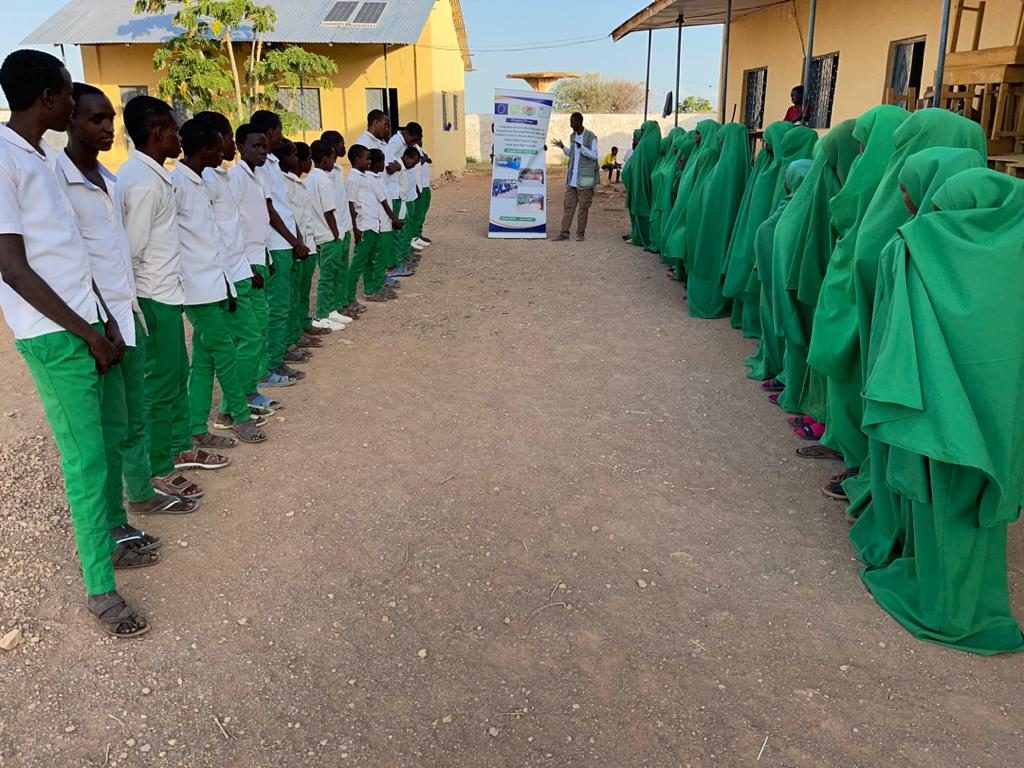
x: 612, y: 130
x: 861, y: 33
x: 419, y: 72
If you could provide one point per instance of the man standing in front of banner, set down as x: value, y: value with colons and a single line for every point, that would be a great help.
x: 582, y: 176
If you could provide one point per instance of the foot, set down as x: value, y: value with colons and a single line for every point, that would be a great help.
x: 129, y: 534
x: 199, y: 458
x: 560, y: 238
x: 176, y: 484
x: 260, y: 400
x: 393, y: 282
x: 290, y: 372
x: 276, y: 380
x: 580, y: 237
x: 308, y: 342
x: 315, y: 330
x: 129, y: 555
x: 161, y: 504
x: 296, y: 358
x: 338, y: 317
x: 324, y: 326
x: 403, y: 271
x: 115, y: 616
x: 390, y: 292
x: 376, y: 297
x: 425, y: 239
x: 420, y: 244
x: 834, y: 487
x: 249, y: 432
x: 219, y: 442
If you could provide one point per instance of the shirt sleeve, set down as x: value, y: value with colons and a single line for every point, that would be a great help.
x: 138, y: 205
x: 589, y: 152
x: 10, y: 211
x: 325, y: 196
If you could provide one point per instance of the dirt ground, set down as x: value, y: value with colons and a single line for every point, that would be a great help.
x: 530, y: 514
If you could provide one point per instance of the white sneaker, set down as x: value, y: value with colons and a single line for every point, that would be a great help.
x: 339, y: 318
x: 421, y: 244
x: 323, y: 324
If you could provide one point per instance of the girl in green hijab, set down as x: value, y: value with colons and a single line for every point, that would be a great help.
x: 797, y: 144
x: 720, y: 203
x: 754, y: 209
x: 697, y: 168
x: 661, y: 186
x: 879, y: 531
x: 644, y: 158
x: 766, y: 363
x: 833, y: 334
x: 627, y: 185
x: 942, y: 392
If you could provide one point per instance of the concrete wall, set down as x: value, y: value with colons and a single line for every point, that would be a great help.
x: 421, y: 73
x: 861, y: 32
x: 612, y: 130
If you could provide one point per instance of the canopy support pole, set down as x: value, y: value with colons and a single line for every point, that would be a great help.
x: 679, y: 63
x: 940, y: 67
x: 726, y: 33
x: 808, y: 58
x: 647, y: 82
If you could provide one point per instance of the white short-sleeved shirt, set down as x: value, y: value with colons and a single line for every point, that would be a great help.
x: 33, y: 206
x: 229, y: 222
x: 343, y: 215
x: 409, y: 184
x: 376, y: 181
x: 202, y: 264
x: 323, y: 193
x: 393, y: 153
x: 252, y: 211
x: 370, y: 141
x: 273, y: 185
x: 99, y: 221
x: 424, y: 167
x: 149, y: 211
x: 301, y: 202
x: 367, y: 203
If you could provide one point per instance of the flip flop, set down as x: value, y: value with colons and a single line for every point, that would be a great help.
x: 774, y: 399
x: 810, y: 431
x: 799, y: 421
x: 818, y: 452
x: 772, y: 385
x: 141, y: 540
x: 167, y: 504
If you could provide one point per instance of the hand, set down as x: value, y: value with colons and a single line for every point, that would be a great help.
x: 301, y: 251
x: 558, y: 143
x: 103, y: 352
x: 113, y: 335
x: 257, y: 280
x: 356, y: 235
x: 396, y: 222
x: 394, y: 167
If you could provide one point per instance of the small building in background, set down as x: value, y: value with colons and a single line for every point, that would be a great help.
x: 408, y: 57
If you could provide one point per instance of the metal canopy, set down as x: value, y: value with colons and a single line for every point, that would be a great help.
x: 664, y: 14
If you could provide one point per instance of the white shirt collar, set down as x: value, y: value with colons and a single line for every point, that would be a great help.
x: 189, y: 174
x: 74, y: 174
x: 154, y: 165
x: 15, y: 139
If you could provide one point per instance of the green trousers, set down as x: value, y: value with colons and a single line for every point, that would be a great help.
x: 377, y: 263
x: 167, y: 422
x: 279, y: 307
x: 258, y: 300
x: 249, y: 336
x: 329, y: 257
x: 302, y: 285
x: 404, y: 236
x: 213, y: 354
x: 71, y: 392
x: 422, y: 207
x: 341, y: 283
x: 368, y: 244
x: 124, y: 423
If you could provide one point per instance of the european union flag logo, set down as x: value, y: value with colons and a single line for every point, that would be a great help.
x: 501, y: 109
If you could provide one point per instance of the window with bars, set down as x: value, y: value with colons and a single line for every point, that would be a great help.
x: 821, y: 90
x: 375, y: 99
x: 304, y: 102
x: 755, y: 89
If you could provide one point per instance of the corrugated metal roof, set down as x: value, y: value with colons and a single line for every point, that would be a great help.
x: 664, y: 14
x: 85, y: 22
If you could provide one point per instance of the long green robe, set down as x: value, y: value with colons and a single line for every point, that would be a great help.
x: 754, y: 209
x: 767, y: 362
x: 696, y: 171
x: 684, y: 146
x: 833, y: 335
x: 878, y: 532
x: 661, y: 186
x: 713, y: 224
x: 806, y: 244
x: 944, y: 376
x: 627, y: 185
x: 644, y: 158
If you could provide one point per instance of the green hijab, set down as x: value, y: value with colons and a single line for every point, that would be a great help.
x: 713, y: 224
x: 644, y: 159
x: 785, y: 229
x: 674, y: 233
x: 797, y: 144
x: 711, y: 151
x: 834, y: 341
x: 948, y: 354
x: 754, y: 209
x: 661, y: 184
x: 627, y: 173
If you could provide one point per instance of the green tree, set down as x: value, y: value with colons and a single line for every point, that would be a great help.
x: 696, y: 104
x: 202, y: 63
x: 597, y: 95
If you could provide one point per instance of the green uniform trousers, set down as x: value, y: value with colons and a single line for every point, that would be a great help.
x: 167, y: 423
x: 279, y: 307
x: 423, y: 206
x: 71, y: 392
x: 249, y: 335
x: 124, y: 423
x: 404, y: 236
x: 368, y: 244
x: 341, y: 283
x: 329, y: 256
x: 302, y: 285
x: 213, y: 353
x: 377, y: 263
x: 258, y: 299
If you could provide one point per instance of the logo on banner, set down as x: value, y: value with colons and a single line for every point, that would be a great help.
x: 501, y: 109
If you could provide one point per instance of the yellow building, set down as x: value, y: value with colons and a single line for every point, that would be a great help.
x: 408, y: 57
x: 864, y: 53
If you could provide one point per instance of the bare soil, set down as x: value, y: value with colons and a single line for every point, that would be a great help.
x: 529, y: 514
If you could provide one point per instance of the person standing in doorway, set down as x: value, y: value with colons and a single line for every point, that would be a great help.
x: 582, y: 176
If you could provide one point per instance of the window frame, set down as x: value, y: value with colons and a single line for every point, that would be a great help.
x: 764, y: 96
x: 891, y: 64
x: 816, y: 121
x: 301, y: 93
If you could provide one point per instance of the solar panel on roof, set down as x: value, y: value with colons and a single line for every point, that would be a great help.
x: 340, y: 13
x: 369, y: 13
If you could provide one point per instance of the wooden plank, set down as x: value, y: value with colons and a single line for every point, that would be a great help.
x: 1006, y: 55
x: 979, y: 20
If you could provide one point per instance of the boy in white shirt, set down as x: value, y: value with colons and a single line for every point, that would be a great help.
x: 48, y: 300
x: 365, y: 207
x: 246, y: 329
x: 146, y: 195
x: 375, y: 286
x: 92, y: 191
x: 303, y: 333
x: 419, y: 240
x: 209, y: 293
x: 327, y: 235
x: 343, y: 313
x: 405, y: 207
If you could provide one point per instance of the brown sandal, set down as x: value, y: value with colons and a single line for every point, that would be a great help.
x: 176, y: 484
x: 117, y: 617
x: 125, y: 556
x: 198, y: 458
x: 209, y: 440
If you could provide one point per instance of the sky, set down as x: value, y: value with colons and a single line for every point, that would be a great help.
x: 567, y: 35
